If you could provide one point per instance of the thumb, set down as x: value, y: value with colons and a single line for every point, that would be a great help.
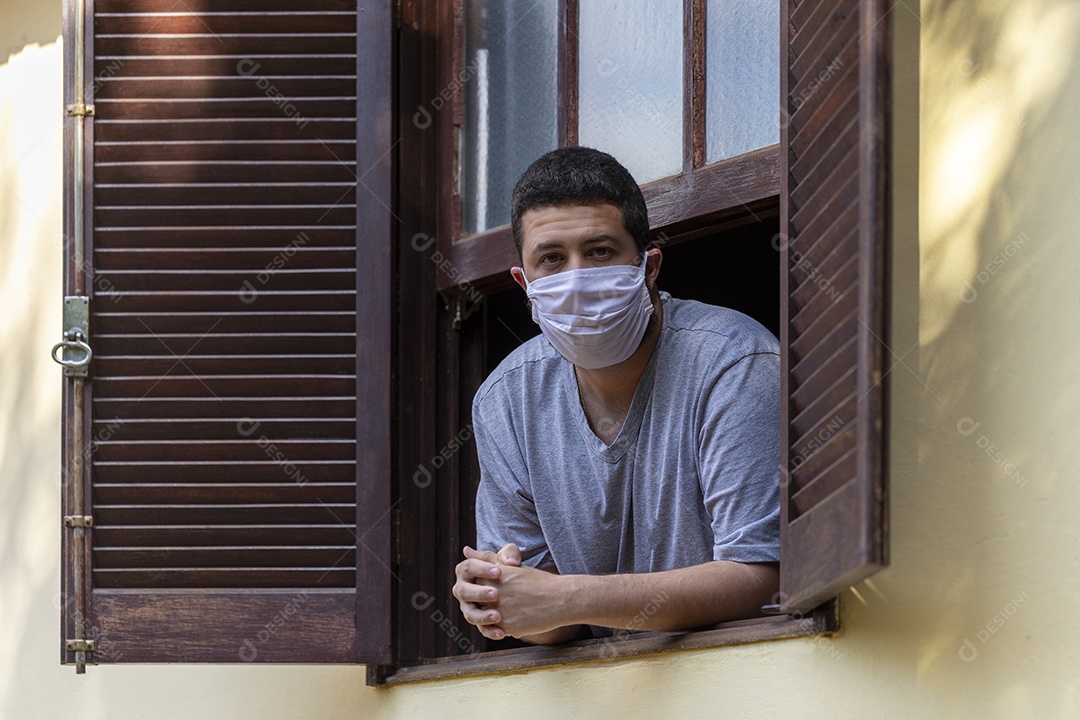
x: 510, y: 555
x: 485, y: 555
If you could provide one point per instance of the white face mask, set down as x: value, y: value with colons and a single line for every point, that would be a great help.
x: 594, y: 317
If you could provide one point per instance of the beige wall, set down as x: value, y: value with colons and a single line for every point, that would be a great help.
x: 984, y: 546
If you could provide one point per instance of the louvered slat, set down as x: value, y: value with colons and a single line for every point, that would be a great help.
x: 130, y: 262
x: 225, y: 577
x: 183, y: 384
x: 271, y: 407
x: 165, y: 44
x: 266, y: 193
x: 225, y: 130
x: 252, y: 170
x: 313, y: 556
x: 169, y: 7
x: 317, y: 513
x: 836, y: 351
x: 268, y: 535
x: 141, y: 429
x: 244, y: 449
x: 248, y: 150
x: 225, y: 295
x: 159, y: 324
x: 235, y: 343
x: 824, y: 407
x: 237, y: 84
x: 820, y: 42
x: 197, y: 493
x: 124, y: 282
x: 182, y: 238
x: 824, y: 308
x: 235, y: 472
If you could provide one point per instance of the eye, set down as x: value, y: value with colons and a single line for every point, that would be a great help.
x: 603, y: 253
x: 550, y: 259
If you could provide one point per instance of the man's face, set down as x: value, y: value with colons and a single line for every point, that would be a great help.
x: 556, y: 239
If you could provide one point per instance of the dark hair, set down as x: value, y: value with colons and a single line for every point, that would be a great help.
x: 580, y: 176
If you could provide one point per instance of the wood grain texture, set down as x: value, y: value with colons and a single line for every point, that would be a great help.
x: 239, y: 236
x: 821, y: 621
x: 568, y: 51
x: 375, y: 232
x: 694, y: 67
x: 221, y: 626
x: 834, y: 236
x: 70, y: 612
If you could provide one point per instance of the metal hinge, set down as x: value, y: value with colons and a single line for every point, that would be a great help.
x: 78, y: 521
x: 79, y: 646
x: 79, y: 110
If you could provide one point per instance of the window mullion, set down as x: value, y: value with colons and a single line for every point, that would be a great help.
x: 456, y: 150
x: 568, y: 73
x: 693, y: 84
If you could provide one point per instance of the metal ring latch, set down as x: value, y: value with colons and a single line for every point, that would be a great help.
x: 73, y: 340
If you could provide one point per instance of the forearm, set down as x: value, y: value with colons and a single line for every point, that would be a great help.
x: 559, y: 635
x: 670, y: 600
x: 554, y: 637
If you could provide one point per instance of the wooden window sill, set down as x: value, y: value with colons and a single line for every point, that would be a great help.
x: 824, y: 620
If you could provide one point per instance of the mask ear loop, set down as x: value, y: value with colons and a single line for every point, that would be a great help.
x: 525, y: 278
x: 645, y: 272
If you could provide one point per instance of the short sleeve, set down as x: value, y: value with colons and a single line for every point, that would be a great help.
x: 739, y: 451
x: 505, y: 510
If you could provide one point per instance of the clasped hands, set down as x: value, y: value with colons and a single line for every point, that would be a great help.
x: 502, y: 597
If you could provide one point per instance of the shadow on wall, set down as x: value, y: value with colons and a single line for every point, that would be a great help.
x: 986, y: 508
x: 27, y: 22
x: 999, y: 287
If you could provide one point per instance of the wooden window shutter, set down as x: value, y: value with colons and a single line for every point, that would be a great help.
x: 834, y: 231
x: 227, y: 458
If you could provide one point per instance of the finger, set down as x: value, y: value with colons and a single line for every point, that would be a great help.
x: 510, y: 555
x: 473, y: 593
x: 492, y: 632
x: 480, y: 617
x: 471, y: 569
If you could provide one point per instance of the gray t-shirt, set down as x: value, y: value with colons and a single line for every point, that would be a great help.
x: 693, y: 475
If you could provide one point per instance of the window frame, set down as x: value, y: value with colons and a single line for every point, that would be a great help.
x: 704, y: 199
x: 701, y: 199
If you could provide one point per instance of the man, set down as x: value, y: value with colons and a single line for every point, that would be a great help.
x: 629, y: 455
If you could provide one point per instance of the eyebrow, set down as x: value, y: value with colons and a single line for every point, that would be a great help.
x: 557, y: 244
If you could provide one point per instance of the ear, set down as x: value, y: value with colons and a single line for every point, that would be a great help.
x: 653, y: 259
x: 519, y: 277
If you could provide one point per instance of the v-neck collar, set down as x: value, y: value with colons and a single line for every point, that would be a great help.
x: 631, y: 426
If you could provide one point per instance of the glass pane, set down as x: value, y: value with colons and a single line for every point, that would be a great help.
x: 742, y: 77
x: 511, y: 115
x: 630, y: 83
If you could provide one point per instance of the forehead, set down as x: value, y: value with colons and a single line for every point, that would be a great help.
x: 572, y: 224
